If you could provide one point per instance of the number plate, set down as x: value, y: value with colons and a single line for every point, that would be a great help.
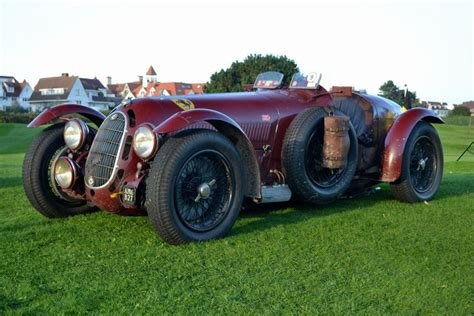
x: 129, y: 195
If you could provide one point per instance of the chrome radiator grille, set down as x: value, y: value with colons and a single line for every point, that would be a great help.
x: 102, y: 159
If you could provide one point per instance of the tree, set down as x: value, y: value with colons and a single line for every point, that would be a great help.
x: 390, y: 91
x: 460, y: 110
x: 244, y: 72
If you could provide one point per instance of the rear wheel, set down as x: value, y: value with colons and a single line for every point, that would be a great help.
x: 38, y: 181
x: 422, y: 166
x: 195, y: 187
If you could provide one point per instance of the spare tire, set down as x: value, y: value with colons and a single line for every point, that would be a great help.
x: 302, y: 159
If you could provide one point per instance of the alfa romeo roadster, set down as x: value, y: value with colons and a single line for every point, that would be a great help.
x: 190, y: 161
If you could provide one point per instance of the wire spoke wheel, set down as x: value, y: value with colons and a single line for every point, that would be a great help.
x: 38, y: 179
x: 317, y: 173
x: 203, y: 190
x: 195, y: 187
x: 423, y: 164
x: 302, y: 159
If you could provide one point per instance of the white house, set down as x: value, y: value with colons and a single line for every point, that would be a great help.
x: 440, y: 108
x: 98, y: 96
x: 71, y: 89
x: 14, y: 92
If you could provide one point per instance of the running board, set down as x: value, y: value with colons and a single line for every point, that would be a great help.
x: 275, y: 193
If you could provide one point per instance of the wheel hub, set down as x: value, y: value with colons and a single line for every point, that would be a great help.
x: 204, y: 190
x: 422, y: 164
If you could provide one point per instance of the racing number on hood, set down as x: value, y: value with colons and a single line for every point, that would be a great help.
x: 184, y: 104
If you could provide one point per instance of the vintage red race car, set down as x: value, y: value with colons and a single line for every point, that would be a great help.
x: 190, y: 161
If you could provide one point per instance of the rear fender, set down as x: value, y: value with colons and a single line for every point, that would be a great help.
x: 57, y: 111
x: 397, y: 137
x: 227, y: 126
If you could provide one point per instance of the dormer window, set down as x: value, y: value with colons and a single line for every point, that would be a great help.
x: 10, y: 89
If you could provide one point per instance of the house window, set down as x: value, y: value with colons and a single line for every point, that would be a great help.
x: 10, y: 89
x: 78, y: 92
x: 78, y: 102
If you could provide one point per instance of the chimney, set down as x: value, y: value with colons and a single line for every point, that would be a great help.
x: 109, y: 80
x: 65, y: 74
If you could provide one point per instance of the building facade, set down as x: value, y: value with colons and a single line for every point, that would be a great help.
x: 14, y: 93
x: 71, y: 89
x: 148, y: 85
x: 440, y: 108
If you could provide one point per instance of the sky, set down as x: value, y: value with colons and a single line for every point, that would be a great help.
x: 426, y: 45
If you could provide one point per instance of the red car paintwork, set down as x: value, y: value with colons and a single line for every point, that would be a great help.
x: 397, y: 137
x: 64, y: 109
x: 256, y: 122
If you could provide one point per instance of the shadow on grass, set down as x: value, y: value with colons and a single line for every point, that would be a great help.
x: 267, y: 217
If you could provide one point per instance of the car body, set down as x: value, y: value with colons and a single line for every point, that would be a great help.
x: 109, y: 174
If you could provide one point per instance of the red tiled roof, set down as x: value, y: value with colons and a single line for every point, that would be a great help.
x: 151, y: 71
x: 134, y: 84
x: 17, y: 88
x: 172, y: 88
x: 65, y: 82
x: 198, y: 88
x: 116, y: 88
x: 91, y: 84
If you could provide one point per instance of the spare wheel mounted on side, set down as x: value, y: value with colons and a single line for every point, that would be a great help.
x: 302, y: 158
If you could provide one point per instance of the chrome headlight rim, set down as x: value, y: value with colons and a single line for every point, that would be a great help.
x: 83, y: 132
x: 69, y: 167
x: 150, y: 151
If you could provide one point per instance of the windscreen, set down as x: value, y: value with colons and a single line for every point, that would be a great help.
x: 268, y: 80
x: 305, y: 81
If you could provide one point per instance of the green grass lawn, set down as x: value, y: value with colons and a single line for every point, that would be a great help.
x: 366, y: 255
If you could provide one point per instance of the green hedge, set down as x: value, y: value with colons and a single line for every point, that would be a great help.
x: 458, y: 120
x: 24, y: 118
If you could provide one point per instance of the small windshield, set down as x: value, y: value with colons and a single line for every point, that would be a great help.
x: 268, y: 80
x: 305, y: 81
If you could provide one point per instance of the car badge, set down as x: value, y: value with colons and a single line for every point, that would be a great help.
x: 114, y: 117
x: 90, y: 181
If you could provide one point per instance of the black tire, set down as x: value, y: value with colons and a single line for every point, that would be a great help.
x: 312, y: 183
x: 185, y: 164
x: 37, y: 180
x: 422, y: 166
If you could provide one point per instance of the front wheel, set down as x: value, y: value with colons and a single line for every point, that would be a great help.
x: 194, y: 190
x: 40, y: 188
x: 422, y: 166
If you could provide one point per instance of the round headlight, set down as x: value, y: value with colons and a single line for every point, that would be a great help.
x: 64, y: 172
x: 144, y: 142
x: 75, y: 133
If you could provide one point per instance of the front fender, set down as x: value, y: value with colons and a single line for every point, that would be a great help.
x: 397, y: 137
x: 63, y: 109
x: 182, y: 119
x: 227, y: 126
